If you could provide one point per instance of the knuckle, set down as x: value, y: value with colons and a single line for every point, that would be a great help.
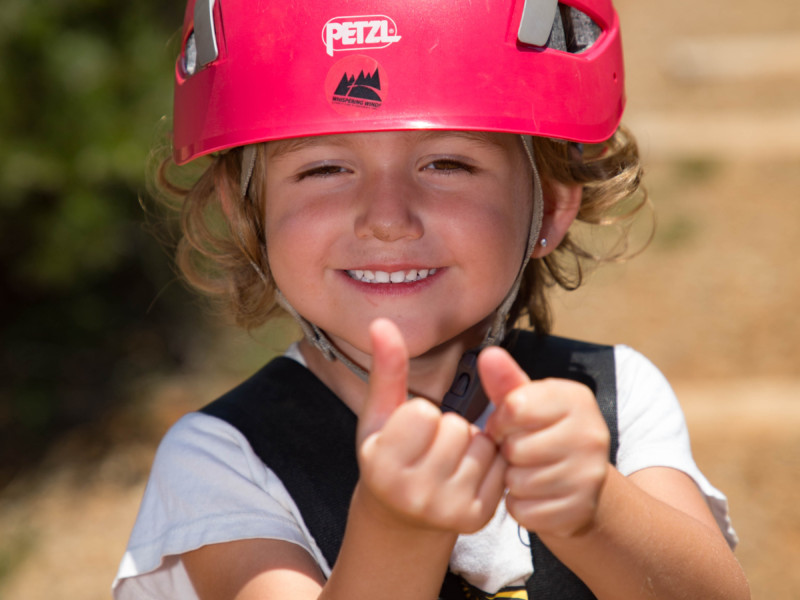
x: 597, y: 439
x: 444, y: 517
x: 476, y: 521
x: 518, y: 480
x: 517, y: 402
x: 454, y: 425
x: 510, y: 452
x: 526, y: 512
x: 382, y: 486
x: 598, y: 475
x: 420, y: 409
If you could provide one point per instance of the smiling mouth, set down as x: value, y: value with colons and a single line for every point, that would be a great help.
x: 409, y: 276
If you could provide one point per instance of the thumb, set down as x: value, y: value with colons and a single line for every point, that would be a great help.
x: 500, y: 374
x: 388, y: 380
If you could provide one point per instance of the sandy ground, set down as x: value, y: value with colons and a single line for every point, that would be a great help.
x: 713, y: 91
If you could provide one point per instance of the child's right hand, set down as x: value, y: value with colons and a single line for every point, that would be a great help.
x: 422, y: 467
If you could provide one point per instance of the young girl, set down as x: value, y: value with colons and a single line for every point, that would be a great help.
x: 401, y: 179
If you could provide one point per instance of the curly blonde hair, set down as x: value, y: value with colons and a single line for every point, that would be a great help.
x: 613, y: 197
x: 222, y: 253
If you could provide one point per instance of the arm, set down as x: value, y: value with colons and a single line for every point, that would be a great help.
x: 415, y: 494
x: 649, y: 535
x: 376, y: 556
x: 652, y: 537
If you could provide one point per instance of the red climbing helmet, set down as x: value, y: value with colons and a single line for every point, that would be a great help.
x: 258, y: 71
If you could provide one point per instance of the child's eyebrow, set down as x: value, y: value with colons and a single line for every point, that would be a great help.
x: 282, y: 148
x: 482, y: 137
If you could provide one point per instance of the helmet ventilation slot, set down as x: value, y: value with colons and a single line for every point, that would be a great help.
x: 572, y: 30
x: 189, y: 56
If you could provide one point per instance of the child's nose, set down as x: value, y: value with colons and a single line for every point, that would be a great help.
x: 387, y: 209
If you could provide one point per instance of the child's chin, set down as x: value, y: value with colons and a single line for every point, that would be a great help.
x: 445, y: 346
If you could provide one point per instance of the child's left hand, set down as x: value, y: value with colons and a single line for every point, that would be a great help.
x: 556, y: 443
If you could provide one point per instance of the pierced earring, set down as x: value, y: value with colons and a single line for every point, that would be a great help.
x: 543, y: 242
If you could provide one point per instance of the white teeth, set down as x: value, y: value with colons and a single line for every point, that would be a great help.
x: 393, y: 277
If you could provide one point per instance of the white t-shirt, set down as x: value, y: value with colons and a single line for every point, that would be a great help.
x: 207, y: 486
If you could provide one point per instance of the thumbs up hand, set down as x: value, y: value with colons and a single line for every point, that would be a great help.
x: 556, y: 443
x: 423, y: 467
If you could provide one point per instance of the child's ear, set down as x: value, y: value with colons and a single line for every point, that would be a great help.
x: 561, y: 205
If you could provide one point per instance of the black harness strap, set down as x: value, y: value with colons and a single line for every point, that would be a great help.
x: 594, y: 366
x: 591, y: 364
x: 306, y: 435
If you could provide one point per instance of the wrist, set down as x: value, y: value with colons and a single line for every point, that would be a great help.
x: 381, y: 551
x: 367, y: 507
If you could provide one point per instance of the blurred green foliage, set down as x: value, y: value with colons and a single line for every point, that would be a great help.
x: 83, y: 87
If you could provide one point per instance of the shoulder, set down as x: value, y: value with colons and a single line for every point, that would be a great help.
x: 205, y: 471
x: 653, y: 430
x: 649, y: 413
x: 651, y: 421
x: 634, y: 370
x: 200, y: 443
x: 207, y: 486
x: 196, y: 432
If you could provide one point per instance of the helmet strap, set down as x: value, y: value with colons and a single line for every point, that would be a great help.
x: 497, y: 330
x: 249, y: 153
x: 317, y: 338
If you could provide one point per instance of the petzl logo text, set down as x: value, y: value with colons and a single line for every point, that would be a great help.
x: 359, y: 33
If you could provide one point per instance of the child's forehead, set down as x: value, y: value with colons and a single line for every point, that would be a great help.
x: 280, y: 148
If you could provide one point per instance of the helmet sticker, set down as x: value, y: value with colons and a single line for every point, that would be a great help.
x: 356, y: 84
x: 359, y: 33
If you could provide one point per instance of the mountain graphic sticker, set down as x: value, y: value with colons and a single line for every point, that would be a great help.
x: 364, y: 86
x: 356, y: 86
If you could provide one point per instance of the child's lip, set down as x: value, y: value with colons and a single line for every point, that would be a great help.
x: 391, y: 274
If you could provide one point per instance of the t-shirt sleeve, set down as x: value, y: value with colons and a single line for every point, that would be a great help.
x: 653, y: 431
x: 207, y: 486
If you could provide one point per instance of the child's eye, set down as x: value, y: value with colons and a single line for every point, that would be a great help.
x: 449, y: 166
x: 321, y: 171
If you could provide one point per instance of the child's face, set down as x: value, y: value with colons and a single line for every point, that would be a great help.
x: 439, y: 219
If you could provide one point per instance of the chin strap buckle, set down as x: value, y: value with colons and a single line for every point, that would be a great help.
x: 466, y: 396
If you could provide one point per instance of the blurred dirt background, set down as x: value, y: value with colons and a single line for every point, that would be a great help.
x: 713, y: 93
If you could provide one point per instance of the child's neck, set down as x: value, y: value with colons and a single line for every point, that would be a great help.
x: 430, y: 375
